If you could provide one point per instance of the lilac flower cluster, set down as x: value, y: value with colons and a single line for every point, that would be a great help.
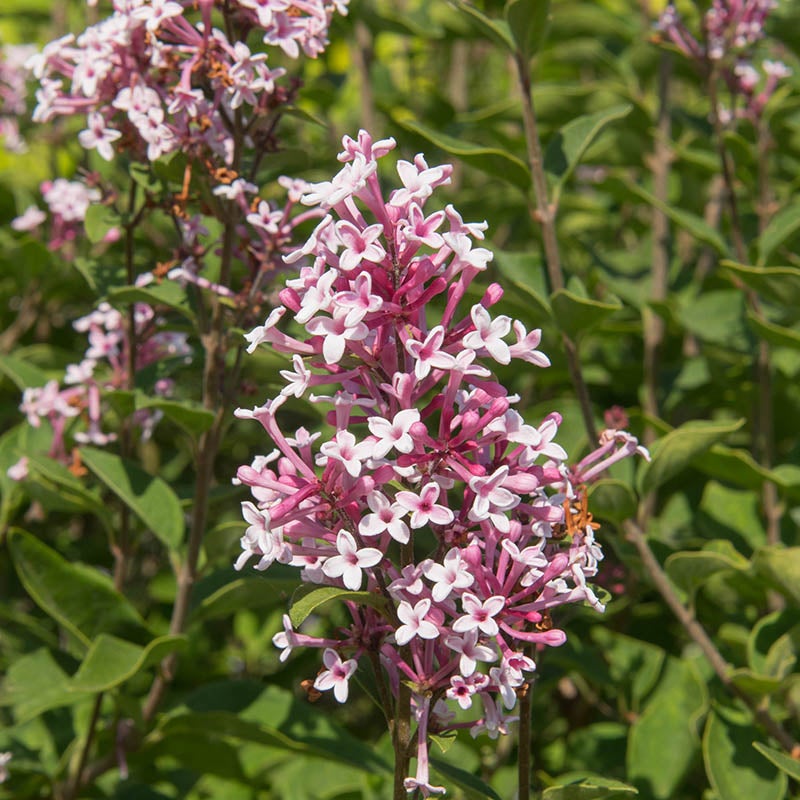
x: 731, y: 29
x: 103, y: 368
x: 434, y: 495
x: 13, y: 94
x: 153, y: 79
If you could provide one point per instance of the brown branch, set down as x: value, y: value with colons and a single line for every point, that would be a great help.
x: 544, y: 213
x: 635, y: 535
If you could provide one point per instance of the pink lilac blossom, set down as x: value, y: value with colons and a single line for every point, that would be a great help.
x: 157, y: 76
x: 730, y: 30
x: 75, y: 410
x: 13, y: 94
x: 434, y: 493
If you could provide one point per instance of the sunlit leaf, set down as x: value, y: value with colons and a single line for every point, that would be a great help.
x: 308, y: 598
x: 149, y: 497
x: 492, y: 160
x: 674, y: 452
x: 112, y: 661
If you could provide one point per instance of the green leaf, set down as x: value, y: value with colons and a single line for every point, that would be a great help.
x: 308, y: 598
x: 527, y: 20
x: 473, y: 786
x: 69, y: 487
x: 692, y: 223
x: 23, y: 374
x: 583, y: 786
x: 277, y: 718
x: 663, y: 742
x: 191, y: 416
x: 780, y: 285
x: 732, y: 465
x: 167, y: 293
x: 101, y: 276
x: 612, y: 500
x: 566, y: 149
x: 734, y: 770
x: 112, y: 661
x: 783, y: 225
x: 143, y: 176
x: 780, y: 566
x: 575, y: 314
x: 754, y: 684
x: 773, y: 643
x: 772, y: 333
x: 718, y: 317
x: 99, y: 221
x: 243, y: 593
x: 674, y: 452
x: 149, y: 497
x: 525, y: 272
x: 495, y: 30
x: 492, y: 160
x: 78, y: 597
x: 33, y: 684
x: 689, y: 571
x: 783, y: 762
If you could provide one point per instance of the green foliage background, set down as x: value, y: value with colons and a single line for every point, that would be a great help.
x: 630, y: 702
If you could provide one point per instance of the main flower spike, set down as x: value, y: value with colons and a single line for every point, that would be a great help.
x: 434, y: 497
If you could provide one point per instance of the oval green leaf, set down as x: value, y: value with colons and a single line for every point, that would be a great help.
x: 492, y: 160
x: 527, y: 21
x: 575, y: 315
x: 191, y: 416
x: 78, y: 597
x: 663, y: 741
x: 566, y: 149
x: 782, y: 761
x: 35, y: 683
x: 583, y: 786
x: 780, y: 567
x: 690, y: 571
x: 781, y: 285
x: 309, y: 598
x: 495, y: 30
x: 99, y: 221
x: 674, y: 452
x: 112, y: 661
x: 149, y: 497
x: 22, y: 373
x: 780, y: 228
x: 734, y: 770
x: 167, y: 293
x: 772, y: 333
x: 612, y: 500
x: 473, y: 787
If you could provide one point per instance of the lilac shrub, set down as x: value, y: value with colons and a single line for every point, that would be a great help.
x: 449, y: 521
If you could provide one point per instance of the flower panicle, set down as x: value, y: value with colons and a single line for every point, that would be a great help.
x: 430, y: 454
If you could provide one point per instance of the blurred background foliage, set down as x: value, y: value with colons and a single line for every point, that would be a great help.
x: 630, y: 697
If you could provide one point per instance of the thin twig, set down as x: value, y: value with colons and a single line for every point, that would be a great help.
x: 653, y: 323
x: 635, y: 535
x: 75, y: 786
x: 544, y: 212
